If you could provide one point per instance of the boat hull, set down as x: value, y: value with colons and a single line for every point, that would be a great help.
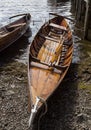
x: 13, y: 31
x: 50, y: 56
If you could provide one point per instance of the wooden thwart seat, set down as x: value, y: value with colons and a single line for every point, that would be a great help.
x: 56, y: 68
x: 58, y: 27
x: 49, y: 38
x: 3, y: 35
x: 16, y: 25
x: 45, y: 67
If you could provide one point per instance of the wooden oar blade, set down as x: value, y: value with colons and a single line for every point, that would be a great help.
x: 18, y: 15
x: 55, y: 14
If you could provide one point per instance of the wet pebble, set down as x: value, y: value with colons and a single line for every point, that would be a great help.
x: 81, y: 118
x: 10, y: 92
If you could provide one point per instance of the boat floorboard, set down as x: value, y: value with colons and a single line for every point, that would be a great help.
x: 49, y: 51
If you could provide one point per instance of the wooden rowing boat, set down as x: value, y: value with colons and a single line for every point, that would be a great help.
x: 50, y: 56
x: 13, y: 31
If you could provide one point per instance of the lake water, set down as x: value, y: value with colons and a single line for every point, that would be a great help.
x: 39, y: 11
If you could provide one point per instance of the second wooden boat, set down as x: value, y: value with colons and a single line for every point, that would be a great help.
x: 50, y: 56
x: 13, y: 31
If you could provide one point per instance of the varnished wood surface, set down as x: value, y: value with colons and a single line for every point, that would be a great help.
x: 50, y: 55
x: 13, y: 31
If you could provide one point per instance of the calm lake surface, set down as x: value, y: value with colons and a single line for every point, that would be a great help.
x: 39, y: 11
x: 14, y: 59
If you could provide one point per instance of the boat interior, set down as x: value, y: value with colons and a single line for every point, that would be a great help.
x: 12, y: 27
x: 52, y: 45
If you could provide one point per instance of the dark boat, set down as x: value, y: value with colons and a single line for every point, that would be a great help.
x: 13, y: 31
x: 50, y: 56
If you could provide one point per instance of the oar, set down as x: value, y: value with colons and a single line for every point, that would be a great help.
x: 62, y: 16
x: 18, y: 15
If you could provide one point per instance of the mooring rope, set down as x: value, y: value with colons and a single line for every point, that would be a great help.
x: 44, y: 102
x: 34, y: 110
